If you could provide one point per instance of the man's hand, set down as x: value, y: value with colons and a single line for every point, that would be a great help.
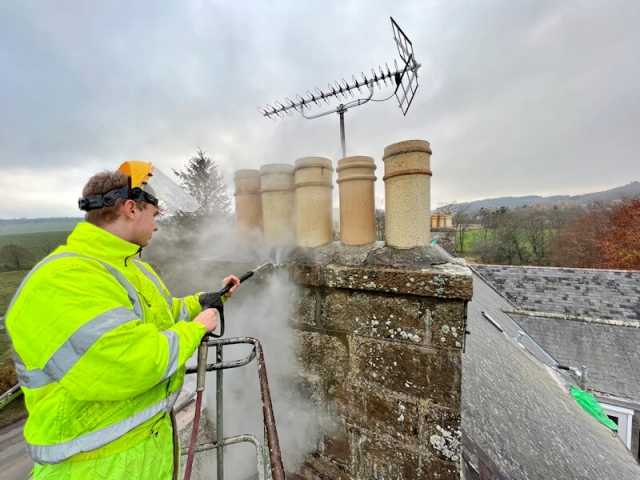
x: 208, y: 318
x: 231, y: 279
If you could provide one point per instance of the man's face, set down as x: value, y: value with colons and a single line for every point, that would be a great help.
x: 145, y: 224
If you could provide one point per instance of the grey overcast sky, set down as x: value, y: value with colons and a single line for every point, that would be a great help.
x: 515, y: 97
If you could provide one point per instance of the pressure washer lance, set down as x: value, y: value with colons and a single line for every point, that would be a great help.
x: 208, y: 300
x: 216, y: 299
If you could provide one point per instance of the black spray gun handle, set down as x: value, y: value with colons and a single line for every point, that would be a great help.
x: 216, y: 300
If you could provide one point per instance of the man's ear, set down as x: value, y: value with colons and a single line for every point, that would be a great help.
x: 129, y: 209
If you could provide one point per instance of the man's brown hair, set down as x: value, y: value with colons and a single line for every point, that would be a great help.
x: 100, y: 184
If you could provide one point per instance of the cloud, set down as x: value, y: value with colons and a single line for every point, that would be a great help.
x: 515, y: 98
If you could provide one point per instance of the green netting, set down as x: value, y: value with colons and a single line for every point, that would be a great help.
x: 592, y: 407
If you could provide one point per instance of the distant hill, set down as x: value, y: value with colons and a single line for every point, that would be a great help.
x: 630, y: 190
x: 35, y: 225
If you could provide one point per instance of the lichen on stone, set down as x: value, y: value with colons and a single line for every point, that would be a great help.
x: 447, y: 443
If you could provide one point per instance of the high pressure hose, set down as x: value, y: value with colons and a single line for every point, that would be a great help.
x: 194, y: 437
x: 201, y: 375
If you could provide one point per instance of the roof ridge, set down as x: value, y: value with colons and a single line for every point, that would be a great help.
x: 573, y: 318
x: 540, y: 267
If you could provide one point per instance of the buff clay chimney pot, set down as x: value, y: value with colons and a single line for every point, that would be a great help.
x: 276, y: 188
x: 357, y: 200
x: 248, y: 201
x: 407, y: 186
x: 314, y: 201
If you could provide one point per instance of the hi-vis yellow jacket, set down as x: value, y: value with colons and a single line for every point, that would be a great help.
x: 99, y: 346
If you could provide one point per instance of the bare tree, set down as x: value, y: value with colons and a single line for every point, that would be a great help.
x: 446, y: 208
x: 576, y: 244
x: 461, y: 219
x: 536, y: 231
x: 507, y: 242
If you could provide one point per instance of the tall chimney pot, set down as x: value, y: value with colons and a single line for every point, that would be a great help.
x: 248, y: 201
x: 407, y: 184
x: 276, y: 187
x: 357, y: 200
x: 314, y: 201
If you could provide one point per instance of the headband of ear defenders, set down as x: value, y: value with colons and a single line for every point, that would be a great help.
x: 108, y: 199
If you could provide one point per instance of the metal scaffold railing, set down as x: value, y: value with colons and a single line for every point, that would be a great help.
x: 269, y: 459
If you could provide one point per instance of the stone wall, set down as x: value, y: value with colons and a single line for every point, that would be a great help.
x: 380, y: 336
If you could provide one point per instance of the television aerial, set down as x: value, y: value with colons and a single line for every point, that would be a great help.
x: 404, y: 77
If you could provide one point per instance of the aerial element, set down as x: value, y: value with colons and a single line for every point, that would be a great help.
x: 404, y: 77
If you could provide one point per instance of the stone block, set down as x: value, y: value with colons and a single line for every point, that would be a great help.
x: 377, y: 315
x: 423, y: 372
x: 440, y: 430
x: 335, y: 444
x: 448, y: 324
x: 303, y: 310
x: 384, y: 458
x: 347, y: 401
x: 311, y: 274
x: 307, y: 387
x: 444, y: 281
x: 389, y: 415
x: 323, y: 355
x: 438, y: 469
x: 318, y: 467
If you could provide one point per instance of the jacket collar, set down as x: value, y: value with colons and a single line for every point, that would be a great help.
x: 92, y: 241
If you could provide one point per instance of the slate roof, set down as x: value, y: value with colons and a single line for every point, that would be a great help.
x: 610, y: 352
x: 607, y: 294
x: 518, y: 419
x: 580, y: 317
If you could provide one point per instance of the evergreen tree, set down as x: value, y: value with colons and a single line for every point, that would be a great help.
x: 201, y: 179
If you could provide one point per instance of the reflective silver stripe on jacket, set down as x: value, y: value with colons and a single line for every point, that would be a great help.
x: 184, y: 312
x: 62, y: 451
x: 174, y: 350
x: 70, y: 352
x: 147, y: 273
x: 29, y: 378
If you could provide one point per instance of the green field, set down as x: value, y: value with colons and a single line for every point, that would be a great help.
x: 470, y: 237
x: 39, y: 244
x: 8, y: 227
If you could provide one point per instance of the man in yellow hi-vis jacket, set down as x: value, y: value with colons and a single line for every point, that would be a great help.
x: 100, y: 344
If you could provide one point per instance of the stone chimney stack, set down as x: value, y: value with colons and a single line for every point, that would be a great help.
x: 380, y: 328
